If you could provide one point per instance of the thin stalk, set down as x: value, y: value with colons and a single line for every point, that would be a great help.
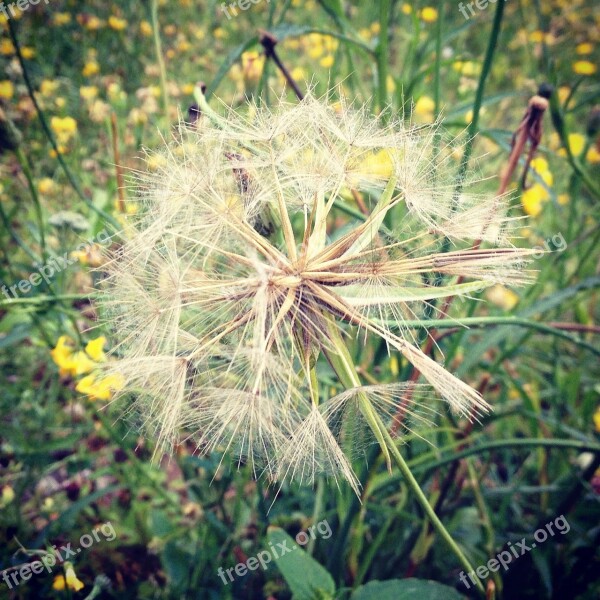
x: 473, y: 125
x: 159, y: 56
x: 42, y: 117
x: 385, y: 7
x: 346, y: 371
x: 34, y: 195
x: 413, y: 484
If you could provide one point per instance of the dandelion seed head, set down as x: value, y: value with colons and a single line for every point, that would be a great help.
x: 239, y: 259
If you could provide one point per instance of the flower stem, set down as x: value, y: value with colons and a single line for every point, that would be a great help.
x: 413, y: 484
x: 342, y: 363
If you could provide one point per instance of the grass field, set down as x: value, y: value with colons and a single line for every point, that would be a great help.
x: 300, y: 299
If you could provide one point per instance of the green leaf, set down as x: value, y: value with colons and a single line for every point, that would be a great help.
x: 405, y: 589
x: 308, y: 580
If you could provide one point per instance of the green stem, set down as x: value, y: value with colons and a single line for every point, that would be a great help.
x: 413, y: 484
x: 41, y: 116
x: 385, y: 7
x: 36, y: 200
x: 341, y: 362
x: 473, y: 125
x: 159, y: 56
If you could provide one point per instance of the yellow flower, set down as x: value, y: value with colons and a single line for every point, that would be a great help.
x: 94, y: 348
x: 68, y: 580
x: 61, y: 18
x: 93, y: 23
x: 102, y: 389
x: 219, y: 33
x: 68, y: 361
x: 585, y: 48
x: 378, y: 163
x: 146, y: 28
x: 536, y: 36
x: 533, y: 199
x: 6, y: 47
x: 252, y: 65
x: 593, y: 155
x: 424, y: 107
x: 327, y: 61
x: 46, y: 186
x: 597, y: 420
x: 7, y: 496
x: 138, y: 117
x: 584, y: 67
x: 429, y: 14
x: 90, y: 68
x: 576, y: 143
x: 64, y: 128
x: 48, y: 87
x: 563, y: 199
x: 563, y: 93
x: 7, y: 89
x: 88, y: 92
x: 540, y: 165
x: 27, y: 52
x: 502, y: 297
x: 116, y: 23
x: 406, y: 8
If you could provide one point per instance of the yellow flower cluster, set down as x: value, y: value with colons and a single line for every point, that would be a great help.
x: 538, y: 193
x: 73, y: 363
x: 68, y: 581
x: 64, y: 129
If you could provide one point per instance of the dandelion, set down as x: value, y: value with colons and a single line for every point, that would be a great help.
x: 241, y: 273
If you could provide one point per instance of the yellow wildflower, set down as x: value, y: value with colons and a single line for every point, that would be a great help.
x: 61, y: 18
x: 597, y: 420
x: 585, y: 48
x: 64, y: 128
x: 7, y: 496
x: 584, y: 67
x: 7, y: 89
x: 88, y: 92
x: 252, y: 66
x: 406, y: 8
x: 503, y: 297
x: 146, y: 28
x: 100, y: 389
x: 327, y: 61
x: 90, y: 68
x: 93, y: 23
x: 429, y: 14
x: 6, y: 47
x: 94, y: 348
x: 117, y: 23
x: 593, y: 155
x: 424, y: 107
x: 67, y: 581
x: 576, y: 143
x: 27, y: 52
x: 46, y: 186
x: 48, y: 87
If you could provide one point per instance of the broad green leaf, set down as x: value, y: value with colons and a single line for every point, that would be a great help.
x: 405, y: 589
x: 308, y: 580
